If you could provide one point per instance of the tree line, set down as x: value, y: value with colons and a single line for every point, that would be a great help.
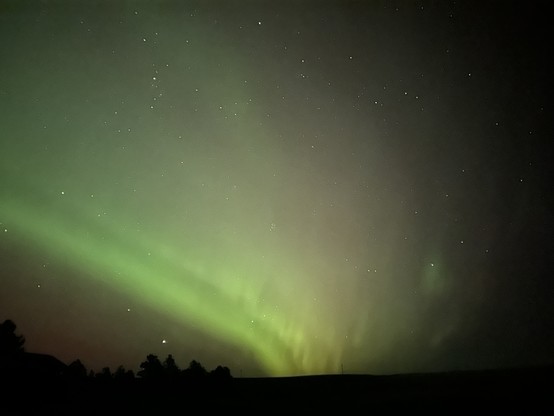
x: 14, y: 358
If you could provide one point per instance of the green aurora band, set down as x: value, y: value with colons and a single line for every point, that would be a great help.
x: 167, y: 281
x: 179, y: 168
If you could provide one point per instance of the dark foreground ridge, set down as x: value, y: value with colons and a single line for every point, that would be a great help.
x: 41, y: 384
x: 445, y: 392
x: 496, y: 390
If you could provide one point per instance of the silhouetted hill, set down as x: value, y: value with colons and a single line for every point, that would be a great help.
x: 454, y: 392
x: 30, y: 365
x: 495, y: 389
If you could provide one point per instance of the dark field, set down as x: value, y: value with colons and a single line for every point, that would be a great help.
x: 524, y: 391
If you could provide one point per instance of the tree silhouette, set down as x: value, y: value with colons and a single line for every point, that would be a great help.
x: 76, y: 370
x: 170, y: 367
x: 105, y: 374
x: 10, y: 343
x: 221, y: 373
x: 195, y: 370
x: 121, y: 374
x: 152, y: 368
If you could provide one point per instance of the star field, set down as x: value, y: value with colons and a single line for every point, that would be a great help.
x: 280, y: 187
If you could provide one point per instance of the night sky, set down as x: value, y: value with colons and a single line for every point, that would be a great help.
x: 281, y: 187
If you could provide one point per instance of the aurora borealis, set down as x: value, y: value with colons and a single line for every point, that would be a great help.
x: 280, y: 187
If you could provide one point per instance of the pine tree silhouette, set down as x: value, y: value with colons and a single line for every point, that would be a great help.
x: 10, y: 342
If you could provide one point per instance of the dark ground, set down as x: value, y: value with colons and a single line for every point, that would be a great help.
x: 523, y: 391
